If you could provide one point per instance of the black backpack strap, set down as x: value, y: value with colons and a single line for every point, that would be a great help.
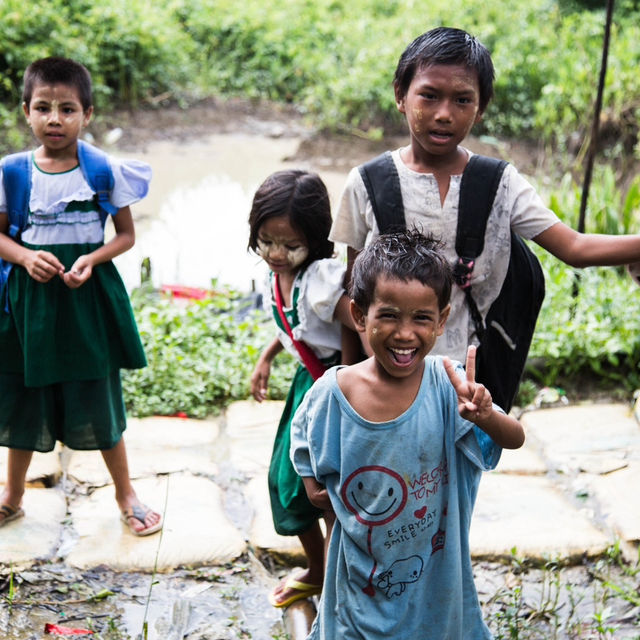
x: 382, y: 182
x: 478, y: 188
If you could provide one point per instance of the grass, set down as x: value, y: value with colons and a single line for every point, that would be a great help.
x: 555, y: 602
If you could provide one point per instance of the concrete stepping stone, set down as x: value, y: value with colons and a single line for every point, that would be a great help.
x: 155, y: 445
x: 530, y: 514
x: 526, y: 460
x: 618, y: 500
x: 570, y: 436
x: 251, y: 428
x: 43, y: 471
x: 37, y: 535
x: 263, y: 535
x: 196, y: 529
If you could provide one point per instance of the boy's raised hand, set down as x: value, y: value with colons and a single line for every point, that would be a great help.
x: 474, y: 400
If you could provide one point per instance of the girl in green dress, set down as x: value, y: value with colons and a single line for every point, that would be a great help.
x: 289, y: 226
x: 69, y: 327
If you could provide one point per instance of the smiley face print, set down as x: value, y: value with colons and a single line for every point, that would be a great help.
x: 374, y: 494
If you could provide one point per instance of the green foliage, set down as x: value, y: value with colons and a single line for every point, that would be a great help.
x: 588, y: 322
x: 595, y: 332
x: 332, y: 58
x: 132, y: 48
x: 200, y: 355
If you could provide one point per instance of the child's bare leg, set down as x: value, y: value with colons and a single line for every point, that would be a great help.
x: 313, y: 544
x: 116, y: 461
x: 329, y: 519
x: 18, y: 462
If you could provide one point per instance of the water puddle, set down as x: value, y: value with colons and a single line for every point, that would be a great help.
x: 193, y: 224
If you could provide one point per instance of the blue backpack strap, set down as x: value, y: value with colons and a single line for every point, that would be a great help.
x: 97, y: 172
x: 16, y: 181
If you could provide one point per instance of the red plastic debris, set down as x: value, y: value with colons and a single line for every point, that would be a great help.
x: 57, y: 630
x: 190, y: 293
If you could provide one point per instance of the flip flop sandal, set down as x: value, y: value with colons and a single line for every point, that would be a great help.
x: 10, y: 513
x: 304, y: 589
x: 140, y: 512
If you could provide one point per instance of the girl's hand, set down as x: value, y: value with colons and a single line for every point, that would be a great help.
x: 474, y: 400
x: 42, y: 265
x: 260, y: 380
x: 79, y: 273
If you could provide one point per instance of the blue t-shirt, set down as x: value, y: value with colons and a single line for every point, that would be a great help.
x: 403, y: 491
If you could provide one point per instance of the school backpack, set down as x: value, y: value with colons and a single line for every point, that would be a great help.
x: 505, y: 334
x: 16, y: 180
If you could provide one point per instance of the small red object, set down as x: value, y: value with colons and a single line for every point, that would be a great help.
x: 190, y: 293
x: 65, y: 631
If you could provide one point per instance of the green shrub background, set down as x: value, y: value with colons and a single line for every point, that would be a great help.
x: 334, y: 59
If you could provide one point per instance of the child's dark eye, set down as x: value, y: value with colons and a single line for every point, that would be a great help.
x: 289, y: 247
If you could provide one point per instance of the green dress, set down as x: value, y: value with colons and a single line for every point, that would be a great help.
x: 315, y: 293
x: 61, y: 349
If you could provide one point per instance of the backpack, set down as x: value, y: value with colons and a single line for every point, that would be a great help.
x: 505, y: 334
x: 16, y: 180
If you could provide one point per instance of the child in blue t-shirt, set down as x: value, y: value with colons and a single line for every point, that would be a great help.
x: 396, y: 445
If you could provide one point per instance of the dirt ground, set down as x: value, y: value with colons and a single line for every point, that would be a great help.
x: 336, y: 151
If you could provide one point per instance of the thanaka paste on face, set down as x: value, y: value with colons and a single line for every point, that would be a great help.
x: 294, y: 257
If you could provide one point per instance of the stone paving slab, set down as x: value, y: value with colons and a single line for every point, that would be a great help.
x: 37, y: 535
x: 571, y: 436
x: 525, y: 461
x: 44, y: 467
x: 219, y: 504
x: 530, y: 514
x: 262, y: 534
x: 617, y: 495
x: 196, y: 528
x: 251, y: 429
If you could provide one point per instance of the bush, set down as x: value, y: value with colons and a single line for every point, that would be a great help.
x: 200, y: 354
x: 332, y: 58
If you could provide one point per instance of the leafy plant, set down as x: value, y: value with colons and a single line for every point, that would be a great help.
x: 201, y: 355
x: 333, y: 59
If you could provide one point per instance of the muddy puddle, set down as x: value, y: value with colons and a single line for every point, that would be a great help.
x: 209, y: 603
x: 229, y: 603
x: 193, y: 224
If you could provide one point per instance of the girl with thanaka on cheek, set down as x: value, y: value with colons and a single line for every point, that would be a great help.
x: 289, y: 226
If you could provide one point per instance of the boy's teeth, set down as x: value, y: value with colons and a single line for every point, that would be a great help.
x: 403, y: 356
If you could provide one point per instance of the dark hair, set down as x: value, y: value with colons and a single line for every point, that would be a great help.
x: 406, y: 255
x: 56, y: 70
x: 303, y: 198
x: 446, y: 45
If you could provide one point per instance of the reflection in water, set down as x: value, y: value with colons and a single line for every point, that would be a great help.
x: 193, y: 224
x: 200, y: 234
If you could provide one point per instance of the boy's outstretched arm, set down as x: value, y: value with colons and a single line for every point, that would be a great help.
x: 589, y: 249
x: 475, y: 404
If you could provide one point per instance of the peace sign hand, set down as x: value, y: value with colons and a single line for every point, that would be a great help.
x: 474, y: 399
